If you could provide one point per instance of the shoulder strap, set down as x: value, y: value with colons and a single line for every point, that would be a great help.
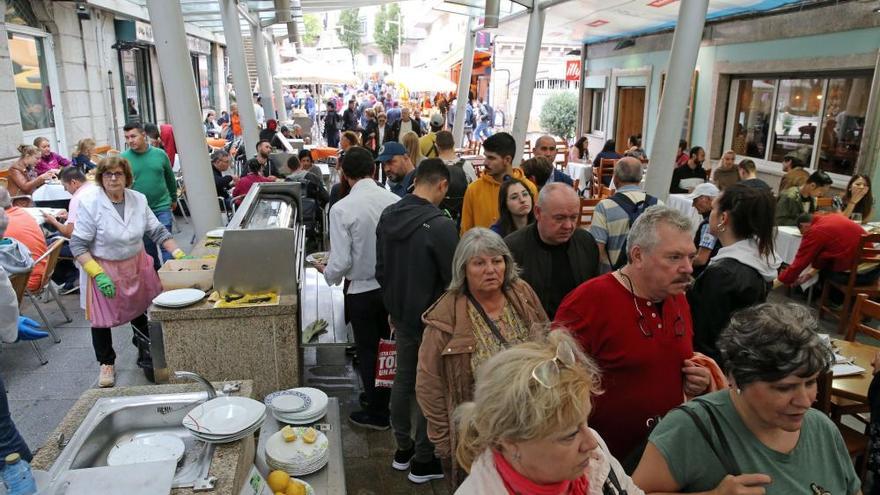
x: 612, y: 481
x: 489, y: 322
x: 724, y: 456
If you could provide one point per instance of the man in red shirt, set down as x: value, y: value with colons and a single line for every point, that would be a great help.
x: 636, y: 323
x: 829, y: 244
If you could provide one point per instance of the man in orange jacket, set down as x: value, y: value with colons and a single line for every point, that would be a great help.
x: 480, y: 207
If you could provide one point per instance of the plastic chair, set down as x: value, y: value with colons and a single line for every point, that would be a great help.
x: 19, y: 283
x: 51, y: 257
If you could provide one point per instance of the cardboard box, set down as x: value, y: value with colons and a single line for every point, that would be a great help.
x: 188, y: 274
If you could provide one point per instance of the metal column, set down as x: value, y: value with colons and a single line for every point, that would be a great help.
x: 674, y: 101
x: 531, y: 54
x: 276, y: 83
x: 259, y: 44
x: 869, y: 155
x: 238, y: 69
x: 464, y: 82
x: 184, y: 112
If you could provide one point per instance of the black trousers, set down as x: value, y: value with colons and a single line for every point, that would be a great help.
x: 102, y: 339
x: 370, y: 323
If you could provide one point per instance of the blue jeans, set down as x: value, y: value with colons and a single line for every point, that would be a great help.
x: 482, y: 128
x: 165, y: 217
x: 10, y: 439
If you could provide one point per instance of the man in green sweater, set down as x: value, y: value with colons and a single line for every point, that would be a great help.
x: 154, y: 179
x: 797, y: 200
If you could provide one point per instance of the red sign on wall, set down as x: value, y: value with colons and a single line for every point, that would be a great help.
x: 573, y: 70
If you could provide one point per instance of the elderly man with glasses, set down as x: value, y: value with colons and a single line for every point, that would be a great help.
x: 636, y: 323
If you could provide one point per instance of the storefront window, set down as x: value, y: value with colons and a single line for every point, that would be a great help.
x: 844, y: 121
x: 752, y: 118
x: 775, y: 117
x: 204, y: 82
x: 798, y: 107
x: 31, y: 82
x: 136, y: 85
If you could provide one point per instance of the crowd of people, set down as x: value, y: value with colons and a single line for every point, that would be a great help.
x: 524, y: 342
x: 494, y: 308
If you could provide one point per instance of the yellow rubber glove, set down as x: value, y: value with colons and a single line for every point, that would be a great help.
x: 93, y: 268
x: 178, y: 254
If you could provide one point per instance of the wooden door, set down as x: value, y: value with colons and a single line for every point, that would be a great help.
x: 630, y: 115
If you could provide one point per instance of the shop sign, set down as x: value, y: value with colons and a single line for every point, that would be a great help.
x: 198, y: 45
x: 483, y: 41
x: 573, y: 70
x: 143, y: 32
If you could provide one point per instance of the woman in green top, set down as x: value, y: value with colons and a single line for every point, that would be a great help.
x: 770, y: 440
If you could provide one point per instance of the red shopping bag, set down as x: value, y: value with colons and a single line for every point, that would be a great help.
x: 386, y: 363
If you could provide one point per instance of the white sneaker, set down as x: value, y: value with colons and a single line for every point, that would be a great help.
x: 107, y: 378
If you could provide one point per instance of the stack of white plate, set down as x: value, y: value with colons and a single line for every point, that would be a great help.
x: 298, y: 406
x: 297, y: 458
x: 225, y: 419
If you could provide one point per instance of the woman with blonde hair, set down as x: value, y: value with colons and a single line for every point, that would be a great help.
x: 410, y: 141
x: 23, y: 178
x: 82, y: 155
x: 526, y: 429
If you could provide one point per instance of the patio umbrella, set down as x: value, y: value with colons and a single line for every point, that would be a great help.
x: 421, y: 80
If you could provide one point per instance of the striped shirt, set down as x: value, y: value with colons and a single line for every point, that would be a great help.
x: 611, y: 223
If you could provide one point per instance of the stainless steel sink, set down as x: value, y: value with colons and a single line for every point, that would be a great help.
x: 118, y: 419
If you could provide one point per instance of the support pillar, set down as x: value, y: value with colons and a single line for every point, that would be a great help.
x: 184, y: 113
x: 238, y: 69
x: 869, y: 152
x: 276, y: 83
x: 676, y: 93
x: 531, y: 54
x: 259, y: 44
x: 464, y: 82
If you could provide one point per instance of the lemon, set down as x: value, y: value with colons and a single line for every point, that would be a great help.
x: 295, y: 488
x: 278, y: 480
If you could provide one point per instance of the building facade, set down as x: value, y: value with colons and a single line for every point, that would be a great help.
x: 801, y: 81
x: 70, y: 71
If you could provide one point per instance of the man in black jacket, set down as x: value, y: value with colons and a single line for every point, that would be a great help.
x: 220, y: 162
x: 554, y: 255
x: 415, y: 243
x: 350, y: 117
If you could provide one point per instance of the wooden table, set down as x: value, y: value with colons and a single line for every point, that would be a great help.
x: 854, y: 387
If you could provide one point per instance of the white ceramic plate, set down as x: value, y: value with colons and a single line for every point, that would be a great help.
x: 228, y: 438
x: 319, y: 402
x: 147, y: 448
x: 293, y: 419
x: 288, y: 401
x: 224, y: 415
x: 301, y: 457
x: 215, y: 234
x: 178, y: 298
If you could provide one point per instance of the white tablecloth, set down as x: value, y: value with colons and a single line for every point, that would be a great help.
x: 50, y: 192
x: 684, y: 204
x: 787, y: 242
x: 582, y: 172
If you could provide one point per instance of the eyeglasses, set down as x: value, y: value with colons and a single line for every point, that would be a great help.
x: 113, y: 175
x: 546, y: 373
x: 677, y: 325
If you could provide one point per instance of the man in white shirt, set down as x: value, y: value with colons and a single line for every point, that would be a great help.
x: 258, y: 110
x: 353, y: 221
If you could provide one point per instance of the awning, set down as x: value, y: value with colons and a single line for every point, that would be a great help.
x: 421, y: 80
x: 302, y: 71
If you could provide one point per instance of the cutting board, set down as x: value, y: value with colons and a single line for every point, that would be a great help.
x: 149, y: 478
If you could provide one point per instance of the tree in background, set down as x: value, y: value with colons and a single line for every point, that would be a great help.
x: 349, y: 32
x: 313, y: 29
x: 387, y: 33
x: 559, y: 115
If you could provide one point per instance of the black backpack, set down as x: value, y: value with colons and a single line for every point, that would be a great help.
x: 633, y: 210
x: 454, y: 199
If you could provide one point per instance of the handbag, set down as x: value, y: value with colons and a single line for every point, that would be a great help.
x: 386, y: 362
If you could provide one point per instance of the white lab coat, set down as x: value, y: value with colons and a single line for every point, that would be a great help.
x: 110, y: 237
x: 8, y: 309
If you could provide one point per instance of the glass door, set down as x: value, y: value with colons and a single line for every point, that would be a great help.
x: 32, y: 62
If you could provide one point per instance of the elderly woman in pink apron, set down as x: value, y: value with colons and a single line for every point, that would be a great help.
x: 108, y: 243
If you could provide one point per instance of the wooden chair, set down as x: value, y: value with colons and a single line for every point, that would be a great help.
x: 46, y: 287
x: 588, y: 207
x: 527, y: 149
x: 605, y: 169
x: 605, y: 192
x: 19, y: 283
x: 824, y: 203
x: 866, y: 255
x: 856, y: 442
x: 863, y: 308
x: 561, y: 149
